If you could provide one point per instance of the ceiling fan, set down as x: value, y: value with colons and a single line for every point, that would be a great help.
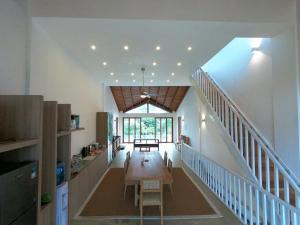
x: 145, y: 93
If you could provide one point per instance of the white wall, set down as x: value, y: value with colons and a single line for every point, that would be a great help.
x: 212, y: 10
x: 247, y: 80
x: 285, y: 96
x: 265, y: 87
x: 207, y: 137
x: 58, y: 77
x: 13, y: 45
x: 189, y: 110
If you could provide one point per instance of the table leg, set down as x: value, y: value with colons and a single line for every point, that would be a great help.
x: 136, y: 195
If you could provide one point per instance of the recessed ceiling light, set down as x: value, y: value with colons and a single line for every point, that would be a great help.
x: 179, y: 64
x: 132, y: 74
x: 168, y: 81
x: 157, y: 48
x: 93, y: 47
x: 126, y: 47
x: 154, y: 63
x: 104, y: 63
x: 189, y: 48
x: 133, y: 81
x: 112, y: 74
x: 151, y: 81
x: 117, y: 81
x: 153, y: 74
x: 173, y: 74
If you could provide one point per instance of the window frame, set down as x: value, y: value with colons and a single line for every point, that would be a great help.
x: 147, y: 112
x: 160, y: 118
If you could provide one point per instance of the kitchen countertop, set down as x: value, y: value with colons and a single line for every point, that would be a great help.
x: 85, y: 162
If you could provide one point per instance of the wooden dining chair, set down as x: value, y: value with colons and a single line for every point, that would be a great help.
x: 170, y: 169
x: 128, y: 155
x: 151, y: 194
x: 166, y: 158
x: 126, y: 164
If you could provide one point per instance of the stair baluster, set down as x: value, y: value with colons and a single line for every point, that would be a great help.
x: 269, y: 171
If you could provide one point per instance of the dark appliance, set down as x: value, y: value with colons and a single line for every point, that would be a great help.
x: 85, y: 151
x: 60, y: 173
x: 18, y: 193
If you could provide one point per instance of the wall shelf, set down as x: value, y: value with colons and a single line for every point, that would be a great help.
x: 21, y: 119
x: 77, y: 129
x: 12, y: 145
x: 63, y: 133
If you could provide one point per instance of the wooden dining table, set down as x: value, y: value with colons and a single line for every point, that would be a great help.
x: 154, y: 167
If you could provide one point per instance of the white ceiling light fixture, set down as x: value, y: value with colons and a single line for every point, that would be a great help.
x: 151, y: 81
x: 154, y: 64
x: 132, y: 74
x: 117, y: 81
x: 157, y: 48
x: 173, y: 74
x: 133, y: 81
x: 153, y: 74
x: 93, y: 47
x: 104, y: 63
x: 189, y: 48
x: 126, y: 47
x: 179, y: 64
x: 112, y: 74
x: 168, y: 81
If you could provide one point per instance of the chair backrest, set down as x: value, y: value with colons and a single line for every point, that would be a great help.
x: 128, y: 155
x: 166, y: 158
x: 126, y: 164
x: 170, y: 165
x: 151, y: 185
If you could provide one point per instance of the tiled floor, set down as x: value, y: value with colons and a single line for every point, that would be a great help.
x: 227, y: 219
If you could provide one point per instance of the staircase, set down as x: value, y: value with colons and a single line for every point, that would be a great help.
x: 270, y: 172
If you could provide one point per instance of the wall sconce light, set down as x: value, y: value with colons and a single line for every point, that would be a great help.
x: 203, y: 118
x: 257, y: 55
x: 256, y: 42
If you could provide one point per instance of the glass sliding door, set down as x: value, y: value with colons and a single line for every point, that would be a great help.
x: 157, y: 129
x: 169, y: 130
x: 137, y: 128
x: 148, y: 128
x: 125, y: 130
x: 160, y: 128
x: 131, y: 129
x: 164, y: 129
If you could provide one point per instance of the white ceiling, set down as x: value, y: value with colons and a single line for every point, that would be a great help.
x: 206, y: 38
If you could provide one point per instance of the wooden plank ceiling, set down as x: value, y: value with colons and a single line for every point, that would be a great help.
x: 167, y: 97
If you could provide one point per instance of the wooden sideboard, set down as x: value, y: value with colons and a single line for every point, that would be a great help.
x: 83, y: 183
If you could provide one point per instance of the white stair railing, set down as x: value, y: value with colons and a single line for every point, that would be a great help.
x: 246, y: 199
x: 271, y: 173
